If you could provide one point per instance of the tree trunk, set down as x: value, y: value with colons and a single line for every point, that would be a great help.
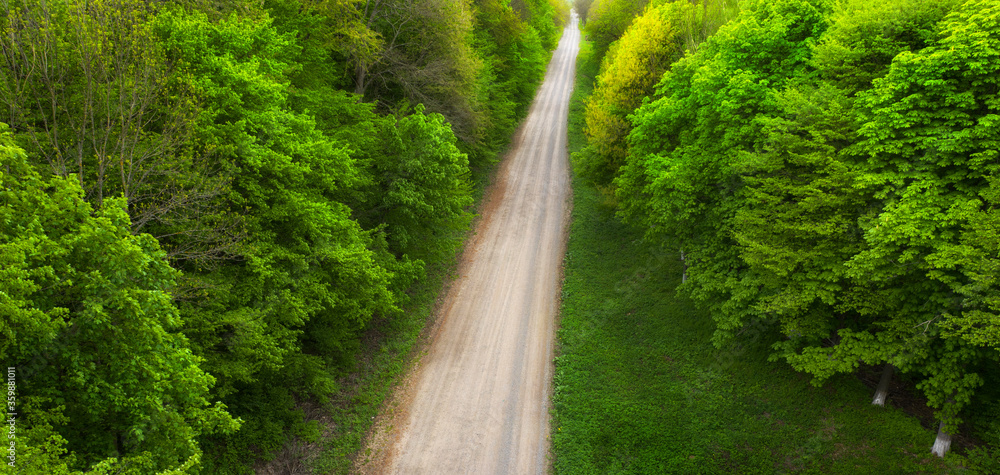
x: 704, y: 19
x: 120, y: 445
x: 882, y: 392
x: 359, y: 80
x: 684, y: 274
x: 942, y: 443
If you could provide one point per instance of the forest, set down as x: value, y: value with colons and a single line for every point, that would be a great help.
x: 206, y: 205
x: 827, y: 170
x: 210, y: 206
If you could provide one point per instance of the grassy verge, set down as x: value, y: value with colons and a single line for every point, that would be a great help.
x: 639, y: 389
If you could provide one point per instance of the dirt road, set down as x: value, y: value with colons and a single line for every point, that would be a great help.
x: 478, y: 401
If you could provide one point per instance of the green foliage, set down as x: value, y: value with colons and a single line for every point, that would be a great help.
x: 426, y: 57
x: 607, y: 20
x: 513, y: 38
x: 311, y: 277
x: 799, y: 228
x: 513, y: 66
x: 476, y: 64
x: 342, y: 207
x: 930, y: 135
x: 682, y: 180
x: 864, y: 37
x: 94, y: 333
x: 91, y: 93
x: 547, y: 17
x: 978, y: 322
x: 632, y: 66
x: 582, y: 8
x: 328, y: 34
x: 422, y: 192
x: 80, y: 104
x: 921, y: 188
x: 796, y: 227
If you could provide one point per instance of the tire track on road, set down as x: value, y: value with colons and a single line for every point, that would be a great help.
x: 478, y: 400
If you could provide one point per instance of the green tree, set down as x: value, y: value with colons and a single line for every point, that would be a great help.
x: 90, y: 325
x: 91, y: 93
x: 931, y: 143
x: 798, y: 228
x: 310, y: 278
x: 855, y: 252
x: 682, y: 179
x: 426, y: 57
x: 978, y: 323
x: 582, y: 8
x: 923, y: 194
x: 633, y: 65
x: 607, y: 21
x: 514, y: 61
x: 421, y: 193
x: 547, y: 17
x: 865, y: 36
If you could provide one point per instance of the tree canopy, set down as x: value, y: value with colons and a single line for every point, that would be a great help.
x: 88, y: 311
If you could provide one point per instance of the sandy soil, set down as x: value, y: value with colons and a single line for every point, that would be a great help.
x: 478, y: 400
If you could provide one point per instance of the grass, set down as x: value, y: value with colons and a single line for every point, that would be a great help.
x: 639, y: 388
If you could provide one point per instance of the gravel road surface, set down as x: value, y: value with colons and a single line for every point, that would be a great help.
x: 478, y: 401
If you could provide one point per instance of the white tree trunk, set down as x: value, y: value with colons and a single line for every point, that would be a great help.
x: 942, y: 443
x: 882, y: 391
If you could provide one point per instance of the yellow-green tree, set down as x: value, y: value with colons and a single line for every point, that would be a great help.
x: 631, y: 69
